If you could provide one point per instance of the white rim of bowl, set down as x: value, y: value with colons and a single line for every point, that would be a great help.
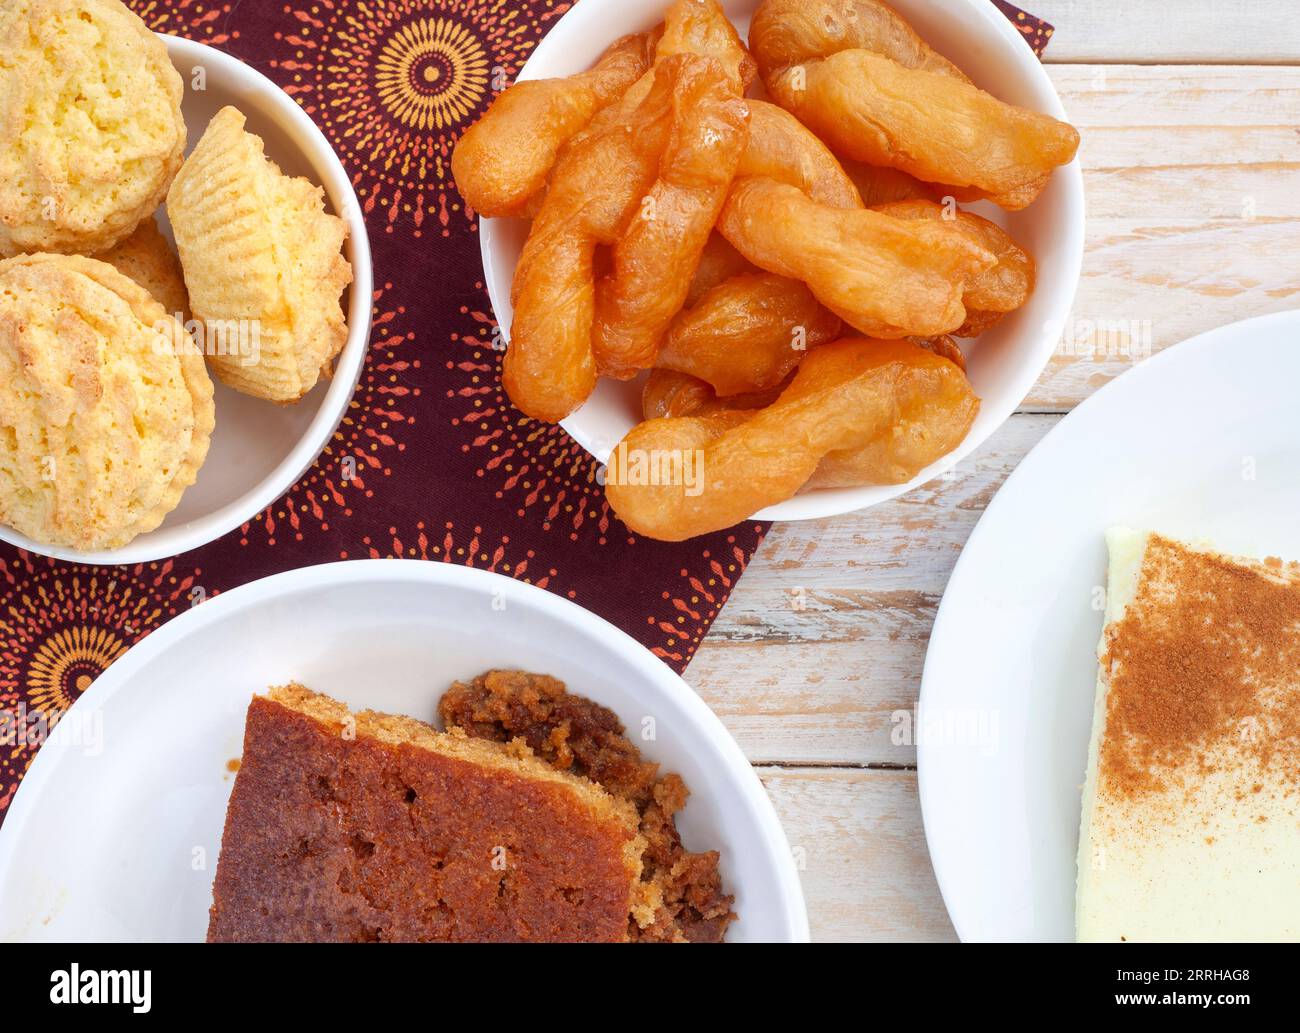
x: 173, y: 541
x: 758, y: 805
x: 829, y: 502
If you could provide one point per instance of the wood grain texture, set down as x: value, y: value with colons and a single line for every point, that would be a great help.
x: 857, y: 838
x: 818, y: 652
x: 1192, y: 177
x: 1171, y: 31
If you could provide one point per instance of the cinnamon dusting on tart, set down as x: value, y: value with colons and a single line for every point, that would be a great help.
x: 1203, y: 670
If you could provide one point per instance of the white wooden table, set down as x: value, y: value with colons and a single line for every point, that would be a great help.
x: 1190, y: 117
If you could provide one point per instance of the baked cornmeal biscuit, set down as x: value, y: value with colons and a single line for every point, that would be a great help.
x: 105, y: 404
x: 260, y: 251
x: 146, y: 257
x: 91, y: 131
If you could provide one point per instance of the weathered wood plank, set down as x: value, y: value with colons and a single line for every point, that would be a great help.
x: 1182, y: 31
x: 1193, y: 195
x: 821, y: 644
x: 858, y: 838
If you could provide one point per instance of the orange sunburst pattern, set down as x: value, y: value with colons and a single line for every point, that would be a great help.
x: 200, y: 20
x: 67, y: 662
x: 393, y: 85
x: 61, y: 625
x: 473, y: 548
x: 431, y: 74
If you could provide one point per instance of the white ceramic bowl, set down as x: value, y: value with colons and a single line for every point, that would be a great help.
x: 115, y: 831
x: 259, y: 449
x: 1003, y: 364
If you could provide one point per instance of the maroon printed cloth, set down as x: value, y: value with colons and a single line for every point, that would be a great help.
x: 446, y: 469
x: 1037, y: 32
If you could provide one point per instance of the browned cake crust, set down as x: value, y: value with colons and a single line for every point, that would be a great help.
x: 370, y: 827
x: 683, y: 891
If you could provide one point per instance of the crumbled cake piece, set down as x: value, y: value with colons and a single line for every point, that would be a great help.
x: 685, y: 901
x: 370, y: 827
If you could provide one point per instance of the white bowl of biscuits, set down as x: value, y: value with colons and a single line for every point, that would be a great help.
x: 685, y: 318
x: 180, y: 333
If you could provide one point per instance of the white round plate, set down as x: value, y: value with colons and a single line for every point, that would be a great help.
x: 115, y: 831
x: 1003, y: 364
x: 1200, y: 441
x: 258, y: 449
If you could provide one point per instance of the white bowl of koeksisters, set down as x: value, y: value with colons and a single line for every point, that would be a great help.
x: 258, y: 448
x: 1002, y: 364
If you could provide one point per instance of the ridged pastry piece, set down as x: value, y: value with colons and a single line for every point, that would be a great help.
x: 105, y: 405
x: 147, y: 257
x: 91, y: 131
x: 258, y: 246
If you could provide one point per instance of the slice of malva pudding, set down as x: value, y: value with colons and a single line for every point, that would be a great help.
x: 371, y: 827
x: 682, y: 898
x: 1191, y: 808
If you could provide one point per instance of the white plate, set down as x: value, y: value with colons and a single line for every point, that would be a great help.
x: 259, y: 449
x: 121, y: 843
x: 1200, y: 441
x: 1003, y: 364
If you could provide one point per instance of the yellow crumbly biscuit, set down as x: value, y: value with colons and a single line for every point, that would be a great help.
x: 91, y: 131
x: 146, y: 256
x: 260, y: 251
x: 105, y: 404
